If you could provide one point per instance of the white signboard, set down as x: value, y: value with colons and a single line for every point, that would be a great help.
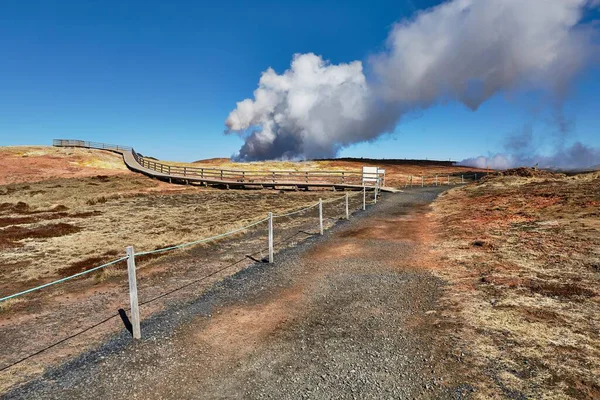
x: 370, y: 175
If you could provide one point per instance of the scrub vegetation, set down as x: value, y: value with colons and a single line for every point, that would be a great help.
x: 522, y: 254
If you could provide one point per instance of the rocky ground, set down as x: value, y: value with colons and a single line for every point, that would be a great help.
x: 348, y: 315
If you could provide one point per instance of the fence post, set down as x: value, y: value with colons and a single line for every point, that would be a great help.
x: 448, y: 179
x: 436, y: 180
x: 270, y: 237
x: 364, y: 198
x: 475, y: 175
x: 347, y: 211
x: 321, y: 216
x: 422, y: 181
x: 133, y: 297
x: 462, y: 179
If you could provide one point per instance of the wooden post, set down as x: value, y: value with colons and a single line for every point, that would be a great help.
x: 436, y: 180
x: 321, y: 216
x: 184, y: 171
x: 270, y: 237
x: 347, y: 211
x: 448, y: 179
x: 133, y: 297
x: 475, y: 175
x: 364, y: 198
x: 462, y: 179
x: 422, y: 181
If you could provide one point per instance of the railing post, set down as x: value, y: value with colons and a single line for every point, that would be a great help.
x: 184, y: 171
x: 270, y: 237
x: 133, y: 297
x: 364, y: 198
x: 321, y: 216
x: 347, y: 210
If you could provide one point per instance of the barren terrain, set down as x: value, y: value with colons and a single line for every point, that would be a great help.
x: 349, y: 315
x: 37, y: 163
x: 522, y: 255
x: 54, y: 227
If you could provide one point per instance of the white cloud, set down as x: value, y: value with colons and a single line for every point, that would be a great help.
x: 464, y: 50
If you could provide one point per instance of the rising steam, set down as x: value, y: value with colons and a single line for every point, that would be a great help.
x: 464, y: 50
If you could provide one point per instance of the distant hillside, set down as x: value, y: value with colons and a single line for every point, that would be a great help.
x: 393, y: 161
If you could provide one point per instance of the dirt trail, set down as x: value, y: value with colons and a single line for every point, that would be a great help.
x: 353, y: 314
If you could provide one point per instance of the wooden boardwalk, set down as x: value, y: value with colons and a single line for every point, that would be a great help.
x: 336, y: 180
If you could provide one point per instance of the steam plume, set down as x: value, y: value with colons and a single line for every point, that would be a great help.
x: 463, y: 50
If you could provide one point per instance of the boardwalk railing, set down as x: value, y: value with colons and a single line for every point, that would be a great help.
x: 243, y: 176
x: 441, y: 179
x: 90, y: 145
x: 231, y: 176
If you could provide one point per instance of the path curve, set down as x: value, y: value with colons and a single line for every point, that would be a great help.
x: 338, y: 180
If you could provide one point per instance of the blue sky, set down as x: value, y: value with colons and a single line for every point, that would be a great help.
x: 163, y: 76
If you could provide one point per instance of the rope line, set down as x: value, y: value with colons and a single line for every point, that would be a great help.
x: 203, y: 278
x: 165, y: 249
x: 181, y: 246
x: 295, y: 212
x: 63, y: 279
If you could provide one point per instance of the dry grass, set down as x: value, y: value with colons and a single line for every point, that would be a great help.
x: 37, y: 163
x: 522, y: 255
x: 69, y: 225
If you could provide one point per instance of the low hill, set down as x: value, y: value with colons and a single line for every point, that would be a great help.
x: 37, y: 163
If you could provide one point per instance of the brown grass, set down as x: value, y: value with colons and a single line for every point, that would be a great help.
x: 37, y: 163
x: 9, y: 237
x: 521, y: 254
x: 97, y: 215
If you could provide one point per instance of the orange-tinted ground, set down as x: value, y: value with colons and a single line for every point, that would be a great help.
x: 522, y: 256
x: 38, y: 163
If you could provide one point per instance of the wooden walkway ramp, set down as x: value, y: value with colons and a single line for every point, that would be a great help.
x: 337, y: 180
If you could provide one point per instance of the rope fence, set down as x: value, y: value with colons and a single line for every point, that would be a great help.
x: 131, y: 254
x: 439, y: 180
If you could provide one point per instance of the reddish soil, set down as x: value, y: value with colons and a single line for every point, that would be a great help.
x: 17, y: 166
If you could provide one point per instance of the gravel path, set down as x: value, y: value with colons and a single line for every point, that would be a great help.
x: 346, y: 315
